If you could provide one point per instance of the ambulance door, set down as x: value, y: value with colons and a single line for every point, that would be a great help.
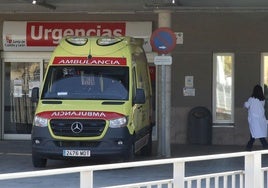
x: 20, y: 75
x: 137, y: 110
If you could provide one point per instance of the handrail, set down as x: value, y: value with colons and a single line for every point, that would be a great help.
x: 252, y: 169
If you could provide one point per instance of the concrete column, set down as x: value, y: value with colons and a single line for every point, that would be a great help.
x: 164, y: 19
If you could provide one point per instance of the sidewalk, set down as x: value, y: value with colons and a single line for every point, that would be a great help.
x: 177, y: 150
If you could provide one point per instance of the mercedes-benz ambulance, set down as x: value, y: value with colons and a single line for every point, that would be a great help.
x: 96, y: 101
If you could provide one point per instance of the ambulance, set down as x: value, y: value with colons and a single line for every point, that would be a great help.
x: 95, y: 101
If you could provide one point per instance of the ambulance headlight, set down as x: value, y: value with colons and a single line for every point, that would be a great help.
x: 106, y: 41
x: 40, y: 121
x: 118, y: 123
x: 78, y: 41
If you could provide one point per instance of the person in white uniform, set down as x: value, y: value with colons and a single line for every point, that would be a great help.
x: 256, y: 118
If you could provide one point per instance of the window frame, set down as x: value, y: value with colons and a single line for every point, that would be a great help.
x: 262, y: 79
x: 263, y: 55
x: 225, y: 122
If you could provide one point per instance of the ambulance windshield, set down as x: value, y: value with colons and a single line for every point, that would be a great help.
x: 86, y: 82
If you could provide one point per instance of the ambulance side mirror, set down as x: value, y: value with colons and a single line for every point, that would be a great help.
x: 140, y: 97
x: 35, y: 94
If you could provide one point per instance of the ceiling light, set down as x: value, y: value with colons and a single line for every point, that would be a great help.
x: 47, y: 5
x: 162, y: 3
x: 43, y: 3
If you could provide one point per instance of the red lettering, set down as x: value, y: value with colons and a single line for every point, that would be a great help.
x: 113, y: 61
x: 79, y: 114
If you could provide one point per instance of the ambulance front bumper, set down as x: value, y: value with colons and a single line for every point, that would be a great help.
x: 116, y: 143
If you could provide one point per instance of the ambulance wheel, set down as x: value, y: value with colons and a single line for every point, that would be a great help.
x: 148, y: 148
x: 38, y: 161
x: 130, y: 155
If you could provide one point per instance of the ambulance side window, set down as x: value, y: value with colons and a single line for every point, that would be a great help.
x: 134, y: 83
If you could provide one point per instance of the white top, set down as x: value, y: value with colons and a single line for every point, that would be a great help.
x: 256, y: 117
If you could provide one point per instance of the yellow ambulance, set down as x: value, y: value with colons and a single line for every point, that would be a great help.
x: 96, y: 101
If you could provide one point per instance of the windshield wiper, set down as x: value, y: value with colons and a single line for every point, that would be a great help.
x: 51, y: 102
x: 113, y: 103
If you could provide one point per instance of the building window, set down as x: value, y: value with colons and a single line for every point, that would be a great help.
x: 223, y: 88
x: 264, y: 79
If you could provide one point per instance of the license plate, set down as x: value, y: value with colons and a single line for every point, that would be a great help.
x: 76, y: 153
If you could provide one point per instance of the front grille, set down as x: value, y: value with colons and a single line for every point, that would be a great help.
x: 71, y: 127
x: 76, y: 143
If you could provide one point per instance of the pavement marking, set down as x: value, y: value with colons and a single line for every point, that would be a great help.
x: 17, y: 154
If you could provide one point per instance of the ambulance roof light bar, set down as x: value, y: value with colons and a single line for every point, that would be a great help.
x: 107, y: 41
x: 77, y: 41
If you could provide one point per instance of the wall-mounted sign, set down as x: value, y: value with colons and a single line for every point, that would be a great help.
x: 189, y: 81
x: 179, y: 37
x: 44, y: 36
x: 188, y: 91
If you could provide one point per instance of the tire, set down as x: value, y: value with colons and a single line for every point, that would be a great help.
x: 130, y: 155
x: 38, y: 161
x: 148, y: 149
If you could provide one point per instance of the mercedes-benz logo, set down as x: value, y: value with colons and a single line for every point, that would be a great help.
x: 77, y: 127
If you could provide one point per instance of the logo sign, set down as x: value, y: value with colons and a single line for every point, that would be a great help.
x: 113, y: 61
x: 77, y: 127
x: 45, y: 35
x: 163, y: 40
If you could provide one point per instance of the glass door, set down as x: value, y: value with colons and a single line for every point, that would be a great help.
x: 20, y: 76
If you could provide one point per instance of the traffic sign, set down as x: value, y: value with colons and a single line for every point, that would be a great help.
x: 163, y: 40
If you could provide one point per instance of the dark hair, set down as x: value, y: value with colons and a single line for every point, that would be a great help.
x: 258, y: 93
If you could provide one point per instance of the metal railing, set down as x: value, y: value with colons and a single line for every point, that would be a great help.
x: 253, y: 175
